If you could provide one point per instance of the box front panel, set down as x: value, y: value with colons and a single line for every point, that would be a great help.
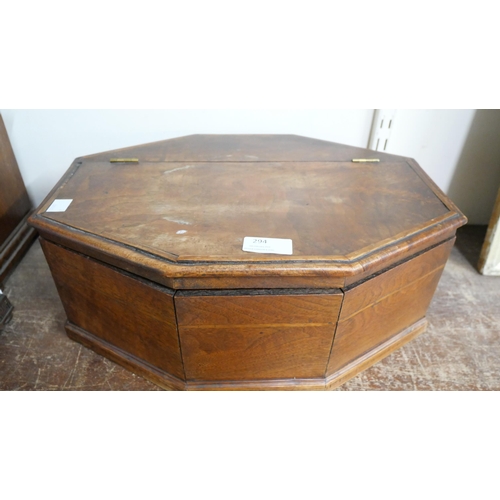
x: 243, y: 336
x: 128, y: 313
x: 385, y: 305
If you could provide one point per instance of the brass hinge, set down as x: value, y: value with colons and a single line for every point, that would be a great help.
x: 124, y: 160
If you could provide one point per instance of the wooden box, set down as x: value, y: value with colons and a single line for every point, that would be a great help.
x: 149, y: 263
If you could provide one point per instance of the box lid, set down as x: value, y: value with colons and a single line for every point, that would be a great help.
x: 180, y: 214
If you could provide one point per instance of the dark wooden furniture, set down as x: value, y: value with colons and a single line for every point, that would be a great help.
x: 149, y: 265
x: 15, y: 207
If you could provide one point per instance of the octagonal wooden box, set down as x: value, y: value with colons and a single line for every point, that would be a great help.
x: 148, y: 259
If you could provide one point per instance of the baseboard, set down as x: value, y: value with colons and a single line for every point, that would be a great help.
x: 13, y: 250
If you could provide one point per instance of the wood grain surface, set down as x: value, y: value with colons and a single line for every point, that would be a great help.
x: 377, y: 287
x: 149, y: 264
x: 248, y: 337
x: 136, y: 317
x: 179, y: 216
x: 385, y: 305
x: 202, y: 211
x: 244, y: 148
x: 124, y: 358
x: 460, y: 350
x: 374, y: 355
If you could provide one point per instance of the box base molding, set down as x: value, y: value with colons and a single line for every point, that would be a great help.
x: 167, y: 381
x: 368, y: 359
x: 122, y: 358
x: 15, y: 247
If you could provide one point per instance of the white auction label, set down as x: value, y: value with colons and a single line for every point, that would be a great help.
x: 267, y: 245
x: 59, y: 205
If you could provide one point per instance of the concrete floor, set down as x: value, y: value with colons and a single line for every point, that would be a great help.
x: 459, y: 351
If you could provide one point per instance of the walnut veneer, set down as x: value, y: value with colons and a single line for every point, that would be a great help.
x: 149, y: 265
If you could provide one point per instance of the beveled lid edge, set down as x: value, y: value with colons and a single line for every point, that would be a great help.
x: 147, y: 264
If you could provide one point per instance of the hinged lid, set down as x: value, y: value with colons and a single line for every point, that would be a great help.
x: 186, y: 206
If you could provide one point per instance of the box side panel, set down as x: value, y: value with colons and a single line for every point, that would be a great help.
x: 119, y: 309
x: 377, y: 287
x: 244, y: 337
x: 383, y: 306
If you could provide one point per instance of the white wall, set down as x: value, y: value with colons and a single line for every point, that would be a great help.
x: 45, y: 142
x: 476, y: 179
x: 459, y: 149
x: 434, y: 138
